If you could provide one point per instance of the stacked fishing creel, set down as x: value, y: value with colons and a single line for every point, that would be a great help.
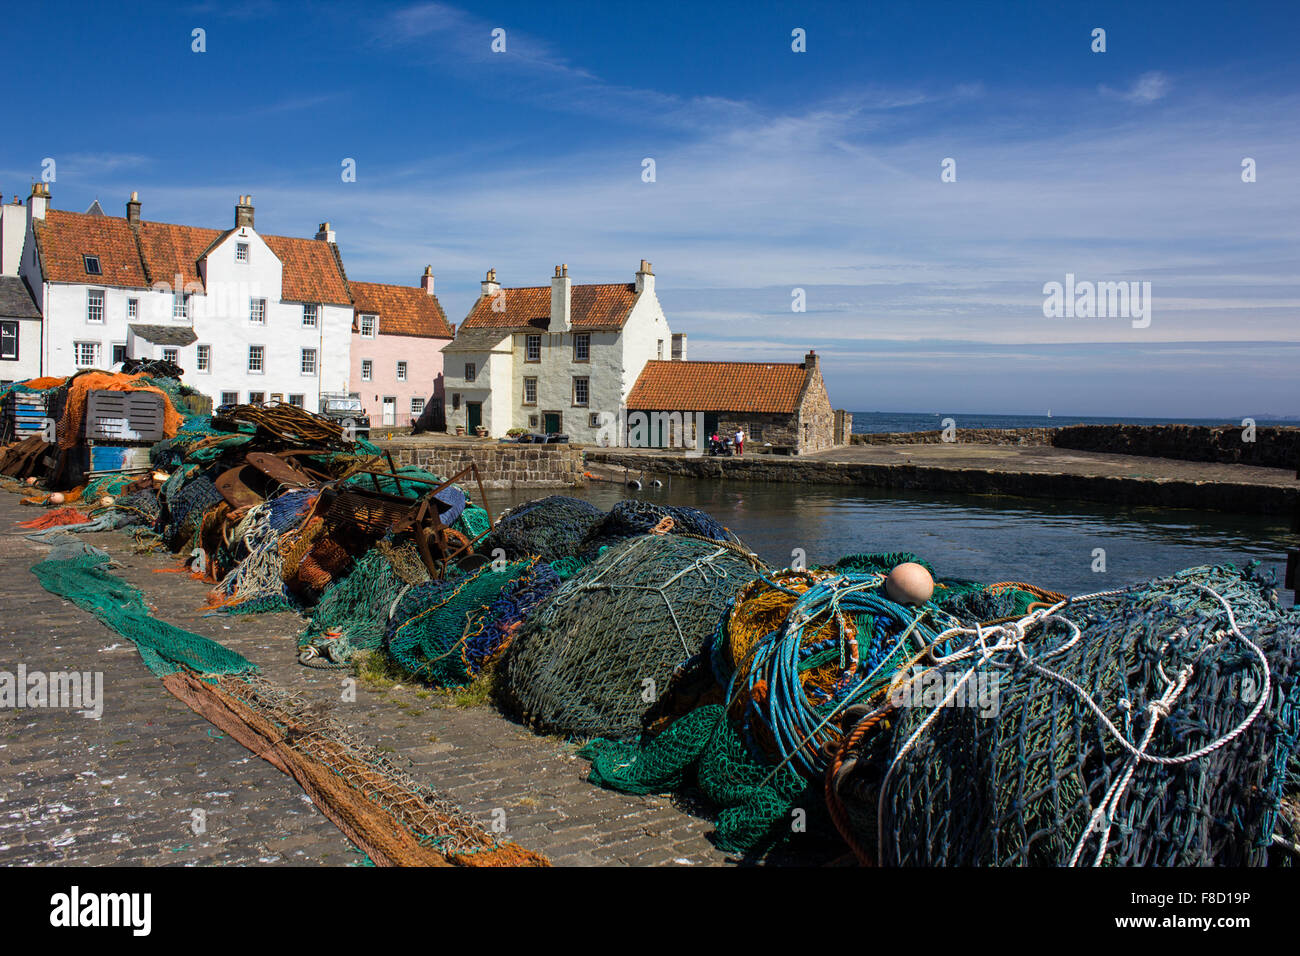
x: 1147, y: 727
x: 600, y: 651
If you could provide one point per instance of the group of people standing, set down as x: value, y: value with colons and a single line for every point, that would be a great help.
x: 717, y: 445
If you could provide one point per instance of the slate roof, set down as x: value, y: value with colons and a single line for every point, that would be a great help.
x: 165, y: 334
x: 16, y: 300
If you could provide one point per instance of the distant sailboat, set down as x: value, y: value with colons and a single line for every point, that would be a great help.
x: 1049, y: 413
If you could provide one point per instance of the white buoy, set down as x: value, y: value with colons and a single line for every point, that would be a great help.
x: 106, y: 501
x: 56, y: 498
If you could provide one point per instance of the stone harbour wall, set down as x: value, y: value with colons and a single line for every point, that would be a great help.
x: 1273, y: 447
x: 1238, y: 497
x: 499, y: 465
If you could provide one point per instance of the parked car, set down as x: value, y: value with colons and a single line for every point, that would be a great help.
x: 346, y: 410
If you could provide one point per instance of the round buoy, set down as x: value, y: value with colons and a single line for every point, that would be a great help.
x: 909, y: 583
x: 106, y: 501
x: 634, y: 485
x: 656, y: 483
x: 31, y: 480
x: 56, y: 498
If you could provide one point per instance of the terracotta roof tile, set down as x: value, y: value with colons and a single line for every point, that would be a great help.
x: 597, y: 306
x: 402, y: 309
x: 719, y: 387
x: 171, y: 251
x: 311, y: 273
x: 64, y: 237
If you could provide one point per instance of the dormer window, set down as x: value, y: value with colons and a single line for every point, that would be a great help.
x: 241, y: 252
x: 369, y: 325
x: 92, y: 265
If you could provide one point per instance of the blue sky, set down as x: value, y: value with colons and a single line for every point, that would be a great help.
x: 775, y: 170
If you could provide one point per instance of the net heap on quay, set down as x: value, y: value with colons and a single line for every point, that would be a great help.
x: 893, y: 711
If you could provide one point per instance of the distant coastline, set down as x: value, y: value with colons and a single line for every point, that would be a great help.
x: 867, y: 423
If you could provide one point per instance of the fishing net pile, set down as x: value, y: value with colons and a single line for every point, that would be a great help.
x: 436, y: 632
x: 549, y: 528
x: 795, y: 649
x: 1151, y: 727
x: 594, y: 657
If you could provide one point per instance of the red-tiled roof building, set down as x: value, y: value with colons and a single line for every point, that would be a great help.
x: 397, y: 337
x: 263, y: 317
x: 554, y: 359
x: 778, y: 406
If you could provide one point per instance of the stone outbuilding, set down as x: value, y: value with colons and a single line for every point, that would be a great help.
x: 782, y: 407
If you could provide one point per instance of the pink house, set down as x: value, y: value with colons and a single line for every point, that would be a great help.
x: 397, y: 337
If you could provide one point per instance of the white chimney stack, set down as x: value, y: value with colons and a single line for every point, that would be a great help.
x: 39, y: 201
x: 426, y: 280
x: 645, y: 278
x: 325, y: 233
x: 560, y: 300
x: 679, y: 346
x: 489, y: 285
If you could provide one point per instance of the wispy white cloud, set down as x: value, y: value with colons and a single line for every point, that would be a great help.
x: 1147, y: 88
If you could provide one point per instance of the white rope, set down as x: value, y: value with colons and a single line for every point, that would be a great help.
x: 1011, y: 637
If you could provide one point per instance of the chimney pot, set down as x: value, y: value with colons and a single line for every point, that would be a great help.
x: 244, y: 212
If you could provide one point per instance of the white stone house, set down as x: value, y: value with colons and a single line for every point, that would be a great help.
x: 553, y: 359
x: 249, y: 317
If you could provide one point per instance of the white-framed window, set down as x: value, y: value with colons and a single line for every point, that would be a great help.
x: 401, y: 371
x: 132, y: 308
x: 310, y: 315
x: 257, y: 311
x: 8, y: 340
x: 256, y: 359
x: 417, y: 407
x: 660, y: 353
x: 229, y: 398
x: 369, y: 326
x: 530, y: 391
x: 532, y: 348
x: 367, y: 370
x: 308, y: 361
x: 117, y: 353
x: 171, y: 355
x: 87, y: 354
x: 257, y: 398
x: 296, y: 400
x: 95, y: 306
x: 203, y: 358
x: 582, y: 346
x: 180, y: 305
x: 471, y: 371
x: 241, y: 252
x: 581, y: 390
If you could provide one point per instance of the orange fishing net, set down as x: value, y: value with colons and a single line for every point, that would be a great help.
x: 74, y: 410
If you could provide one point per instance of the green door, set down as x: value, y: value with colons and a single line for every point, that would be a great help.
x: 551, y: 423
x: 474, y: 413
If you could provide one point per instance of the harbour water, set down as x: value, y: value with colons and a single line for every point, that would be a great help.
x: 984, y: 538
